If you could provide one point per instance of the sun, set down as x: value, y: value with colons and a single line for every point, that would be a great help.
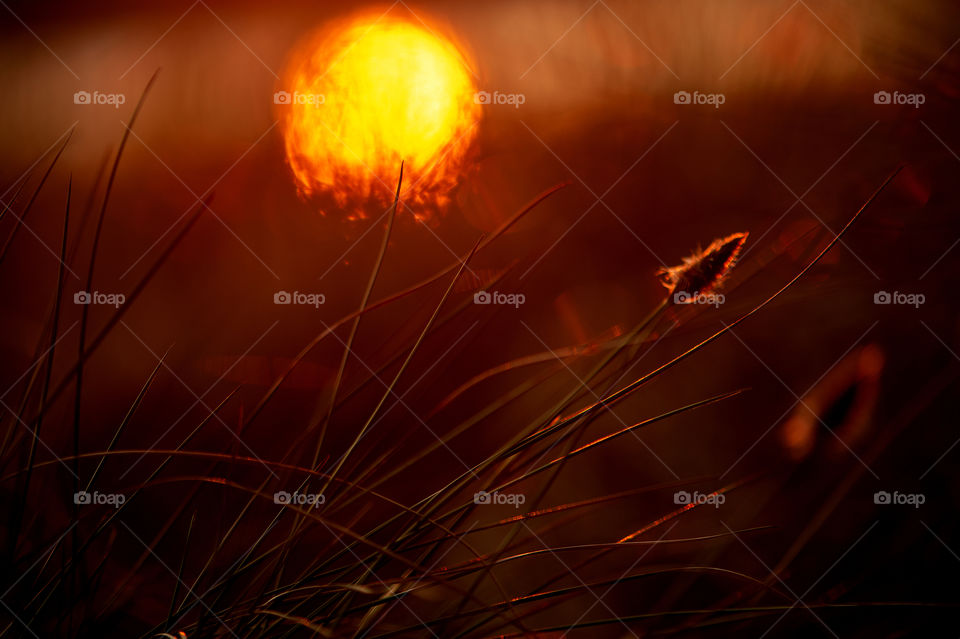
x: 361, y: 97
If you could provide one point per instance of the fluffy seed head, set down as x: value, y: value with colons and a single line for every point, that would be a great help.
x: 705, y: 270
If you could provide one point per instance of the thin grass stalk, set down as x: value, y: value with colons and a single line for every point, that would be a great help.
x: 88, y: 287
x: 354, y: 327
x: 400, y: 372
x: 134, y: 294
x: 371, y: 281
x: 38, y: 424
x: 392, y: 298
x: 33, y: 198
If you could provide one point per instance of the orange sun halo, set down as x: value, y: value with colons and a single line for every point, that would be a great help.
x: 362, y: 96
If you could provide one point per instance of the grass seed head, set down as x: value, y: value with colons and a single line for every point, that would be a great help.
x: 705, y: 270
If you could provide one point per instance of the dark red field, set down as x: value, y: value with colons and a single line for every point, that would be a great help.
x: 676, y: 354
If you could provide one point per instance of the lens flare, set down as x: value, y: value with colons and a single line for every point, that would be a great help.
x: 363, y: 96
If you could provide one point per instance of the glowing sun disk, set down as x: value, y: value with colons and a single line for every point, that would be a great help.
x: 363, y: 97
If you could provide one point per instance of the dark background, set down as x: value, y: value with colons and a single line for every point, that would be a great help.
x: 798, y: 146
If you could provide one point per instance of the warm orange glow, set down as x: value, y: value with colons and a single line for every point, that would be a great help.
x: 364, y: 96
